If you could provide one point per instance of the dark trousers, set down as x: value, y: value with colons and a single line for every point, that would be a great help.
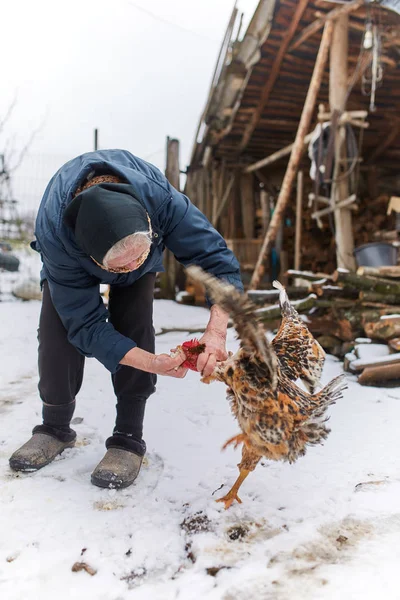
x: 61, y: 365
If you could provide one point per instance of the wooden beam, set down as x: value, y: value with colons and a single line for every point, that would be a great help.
x: 247, y: 204
x: 296, y: 154
x: 264, y: 162
x: 224, y: 200
x: 266, y: 91
x: 265, y: 210
x: 347, y: 203
x: 319, y: 23
x: 172, y: 173
x: 340, y: 186
x: 299, y: 220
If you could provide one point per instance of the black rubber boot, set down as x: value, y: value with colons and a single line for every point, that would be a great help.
x: 118, y: 469
x: 41, y: 449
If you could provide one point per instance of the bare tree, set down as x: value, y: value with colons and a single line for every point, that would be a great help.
x: 10, y: 160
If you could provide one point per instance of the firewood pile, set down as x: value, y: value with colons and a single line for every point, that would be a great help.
x: 372, y: 223
x: 342, y: 311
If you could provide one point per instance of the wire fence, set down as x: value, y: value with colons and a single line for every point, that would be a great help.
x: 21, y: 191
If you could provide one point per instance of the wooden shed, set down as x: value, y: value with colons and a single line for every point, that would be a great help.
x: 311, y: 83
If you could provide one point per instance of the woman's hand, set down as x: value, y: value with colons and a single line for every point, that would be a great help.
x: 160, y: 364
x: 215, y: 340
x: 164, y: 364
x: 215, y: 352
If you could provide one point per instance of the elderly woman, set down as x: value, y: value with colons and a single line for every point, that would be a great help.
x: 106, y: 217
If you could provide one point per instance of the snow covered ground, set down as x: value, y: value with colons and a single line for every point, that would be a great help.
x: 327, y: 527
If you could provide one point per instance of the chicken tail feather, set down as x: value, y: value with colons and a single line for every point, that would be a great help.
x: 286, y: 308
x: 243, y: 313
x: 330, y: 394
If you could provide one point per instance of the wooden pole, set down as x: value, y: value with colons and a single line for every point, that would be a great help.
x: 338, y: 77
x: 264, y: 162
x: 299, y: 220
x: 172, y: 172
x: 265, y: 210
x: 96, y: 139
x: 246, y: 186
x: 225, y: 198
x: 296, y: 153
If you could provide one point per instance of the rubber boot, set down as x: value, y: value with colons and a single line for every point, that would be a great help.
x: 39, y: 451
x: 118, y: 469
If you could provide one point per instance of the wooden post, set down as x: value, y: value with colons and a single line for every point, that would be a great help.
x: 247, y: 204
x: 265, y: 210
x: 225, y: 198
x: 296, y: 153
x: 299, y: 219
x: 338, y: 76
x: 168, y: 279
x: 264, y: 162
x: 96, y: 140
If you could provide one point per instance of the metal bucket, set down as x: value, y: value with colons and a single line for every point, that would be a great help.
x: 376, y: 254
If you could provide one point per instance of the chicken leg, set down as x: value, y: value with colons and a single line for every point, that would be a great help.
x: 231, y: 496
x: 250, y: 458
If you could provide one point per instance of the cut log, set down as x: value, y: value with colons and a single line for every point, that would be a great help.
x: 376, y: 374
x: 271, y: 296
x: 391, y: 272
x: 384, y: 329
x: 341, y: 328
x: 335, y: 303
x: 381, y: 298
x: 307, y: 275
x: 331, y: 345
x: 335, y: 291
x: 274, y: 312
x: 373, y: 284
x: 364, y: 363
x: 394, y: 344
x: 370, y: 352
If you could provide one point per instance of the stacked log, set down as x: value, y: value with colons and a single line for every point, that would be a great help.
x: 343, y: 307
x: 318, y: 245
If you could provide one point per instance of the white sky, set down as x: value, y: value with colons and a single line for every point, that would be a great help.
x: 108, y: 64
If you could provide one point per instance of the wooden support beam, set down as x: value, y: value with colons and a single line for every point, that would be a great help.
x: 340, y: 186
x: 299, y: 220
x: 296, y: 153
x: 264, y: 162
x: 347, y: 203
x: 247, y: 204
x: 274, y: 73
x: 224, y: 201
x: 265, y: 210
x: 319, y: 23
x: 172, y: 173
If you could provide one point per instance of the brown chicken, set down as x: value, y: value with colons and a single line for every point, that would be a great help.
x: 278, y: 420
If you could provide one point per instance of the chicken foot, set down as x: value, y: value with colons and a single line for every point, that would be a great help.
x: 232, y: 495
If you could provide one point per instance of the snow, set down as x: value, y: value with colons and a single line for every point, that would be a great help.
x: 372, y: 351
x: 324, y: 528
x: 360, y: 363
